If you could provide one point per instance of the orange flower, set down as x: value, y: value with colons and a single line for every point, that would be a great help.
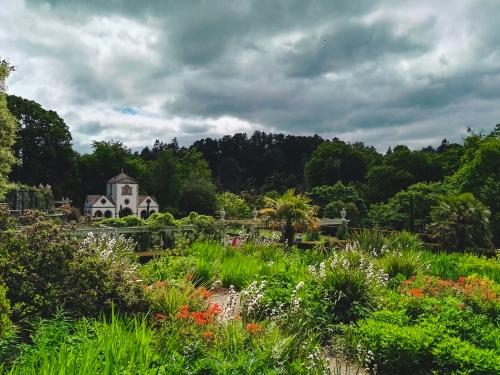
x: 159, y: 283
x: 237, y: 316
x: 206, y: 294
x: 417, y: 292
x: 160, y: 316
x: 462, y: 279
x: 184, y: 313
x: 189, y: 276
x: 208, y: 335
x: 253, y: 328
x: 200, y: 318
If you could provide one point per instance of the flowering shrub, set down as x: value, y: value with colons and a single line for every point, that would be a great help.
x: 482, y: 295
x: 44, y: 270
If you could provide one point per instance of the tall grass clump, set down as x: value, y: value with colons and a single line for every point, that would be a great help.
x: 239, y: 271
x: 208, y: 250
x: 407, y: 263
x: 350, y: 283
x: 371, y: 241
x: 404, y: 240
x: 105, y: 346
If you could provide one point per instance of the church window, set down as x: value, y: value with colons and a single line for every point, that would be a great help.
x: 126, y: 190
x: 127, y: 201
x: 103, y: 201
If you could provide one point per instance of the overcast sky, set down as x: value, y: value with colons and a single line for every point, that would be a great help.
x: 381, y: 72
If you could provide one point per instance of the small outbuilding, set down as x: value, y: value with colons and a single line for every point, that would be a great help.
x: 121, y: 199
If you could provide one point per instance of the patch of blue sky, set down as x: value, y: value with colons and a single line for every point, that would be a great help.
x: 126, y: 111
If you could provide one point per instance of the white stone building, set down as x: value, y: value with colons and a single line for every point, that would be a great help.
x: 122, y: 194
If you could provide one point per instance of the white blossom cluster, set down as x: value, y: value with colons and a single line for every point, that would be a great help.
x: 295, y: 301
x: 252, y: 297
x: 318, y: 274
x: 268, y: 241
x: 314, y: 360
x: 110, y: 247
x: 340, y: 261
x: 229, y: 307
x: 367, y: 358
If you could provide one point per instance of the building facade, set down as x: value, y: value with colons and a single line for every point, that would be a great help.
x: 121, y: 199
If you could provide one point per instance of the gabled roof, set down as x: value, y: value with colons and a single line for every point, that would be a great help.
x: 122, y: 178
x: 93, y: 199
x: 142, y: 198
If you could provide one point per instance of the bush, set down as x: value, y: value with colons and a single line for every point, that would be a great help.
x: 397, y: 348
x: 127, y: 221
x: 159, y: 220
x: 44, y: 269
x: 454, y: 356
x: 5, y: 323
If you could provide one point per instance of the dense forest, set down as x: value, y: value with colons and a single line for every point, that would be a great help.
x: 377, y: 190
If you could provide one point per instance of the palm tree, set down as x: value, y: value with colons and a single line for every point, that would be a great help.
x: 460, y: 221
x: 291, y: 213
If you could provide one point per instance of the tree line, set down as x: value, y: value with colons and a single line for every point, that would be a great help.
x: 382, y: 190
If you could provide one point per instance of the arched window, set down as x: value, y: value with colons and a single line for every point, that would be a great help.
x: 108, y: 214
x: 98, y: 213
x: 151, y: 212
x: 144, y: 214
x: 127, y: 211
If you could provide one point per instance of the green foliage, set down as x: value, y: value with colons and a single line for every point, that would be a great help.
x: 384, y: 181
x: 333, y: 209
x: 44, y: 148
x: 335, y: 161
x: 8, y: 127
x: 395, y: 215
x: 127, y: 221
x: 44, y: 269
x: 371, y: 241
x: 6, y: 221
x: 329, y: 199
x: 160, y: 220
x: 459, y: 222
x: 461, y: 357
x: 397, y: 348
x: 5, y: 323
x: 197, y: 193
x: 239, y: 271
x: 291, y: 213
x: 167, y: 268
x: 407, y: 263
x: 349, y: 284
x: 342, y: 232
x: 234, y: 206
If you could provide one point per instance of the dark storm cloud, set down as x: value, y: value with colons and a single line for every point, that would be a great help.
x: 375, y: 71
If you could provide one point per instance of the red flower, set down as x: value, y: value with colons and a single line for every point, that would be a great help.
x: 160, y: 316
